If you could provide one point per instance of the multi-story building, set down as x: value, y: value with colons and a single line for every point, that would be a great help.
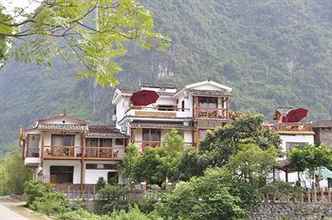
x: 148, y: 114
x: 66, y: 150
x: 297, y: 133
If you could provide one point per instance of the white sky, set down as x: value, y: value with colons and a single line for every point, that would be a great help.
x: 27, y: 5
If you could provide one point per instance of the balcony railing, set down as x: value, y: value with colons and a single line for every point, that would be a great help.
x: 159, y: 112
x: 61, y: 151
x: 296, y: 126
x: 146, y: 144
x: 71, y: 152
x: 211, y: 113
x: 104, y: 152
x: 153, y: 144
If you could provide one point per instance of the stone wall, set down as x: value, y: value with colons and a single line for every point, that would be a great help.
x: 292, y: 211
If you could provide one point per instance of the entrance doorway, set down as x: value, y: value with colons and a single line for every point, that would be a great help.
x: 61, y: 174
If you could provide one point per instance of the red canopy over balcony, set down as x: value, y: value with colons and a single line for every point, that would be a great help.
x: 144, y: 97
x: 295, y: 115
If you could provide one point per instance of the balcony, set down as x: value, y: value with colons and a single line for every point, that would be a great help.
x: 293, y: 127
x: 211, y: 113
x: 154, y: 144
x: 113, y: 153
x: 65, y: 152
x: 91, y: 153
x: 157, y: 112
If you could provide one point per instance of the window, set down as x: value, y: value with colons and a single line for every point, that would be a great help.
x: 166, y: 107
x: 110, y: 166
x: 94, y: 166
x: 119, y: 141
x: 202, y: 134
x: 105, y: 142
x: 329, y: 182
x: 208, y: 102
x: 33, y: 145
x: 182, y: 106
x: 92, y: 142
x: 91, y: 166
x: 151, y: 135
x: 63, y: 140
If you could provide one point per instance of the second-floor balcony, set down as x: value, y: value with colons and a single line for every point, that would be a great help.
x: 77, y: 152
x: 158, y: 112
x: 211, y: 113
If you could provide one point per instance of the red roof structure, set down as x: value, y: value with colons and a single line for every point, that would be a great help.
x: 144, y: 97
x: 295, y: 115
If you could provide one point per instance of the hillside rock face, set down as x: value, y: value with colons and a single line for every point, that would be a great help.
x: 272, y: 52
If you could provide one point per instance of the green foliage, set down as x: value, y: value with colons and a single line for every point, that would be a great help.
x: 220, y: 144
x: 34, y: 190
x: 151, y: 166
x: 253, y: 164
x: 154, y: 165
x: 191, y: 163
x: 51, y: 203
x: 148, y: 203
x: 95, y: 47
x: 132, y: 214
x: 129, y: 162
x: 13, y: 174
x: 173, y: 142
x: 41, y: 198
x: 310, y: 158
x: 111, y: 198
x: 203, y: 197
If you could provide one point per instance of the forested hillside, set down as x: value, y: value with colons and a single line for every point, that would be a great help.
x: 272, y: 52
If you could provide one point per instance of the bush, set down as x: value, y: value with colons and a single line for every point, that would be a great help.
x: 34, y: 190
x: 51, y: 203
x: 203, y: 197
x: 147, y: 204
x: 132, y: 214
x: 111, y: 198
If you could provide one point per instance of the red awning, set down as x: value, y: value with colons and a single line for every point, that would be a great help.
x: 144, y: 97
x: 295, y: 115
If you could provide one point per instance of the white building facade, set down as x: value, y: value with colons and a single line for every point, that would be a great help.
x: 66, y: 150
x: 191, y: 110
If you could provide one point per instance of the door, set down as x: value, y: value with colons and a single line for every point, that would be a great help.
x: 62, y: 174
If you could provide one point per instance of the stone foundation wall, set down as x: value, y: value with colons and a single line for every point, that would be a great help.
x: 292, y: 211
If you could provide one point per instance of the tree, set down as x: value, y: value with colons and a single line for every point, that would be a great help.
x: 311, y: 158
x: 154, y: 165
x: 173, y: 142
x: 220, y: 144
x: 13, y: 174
x: 111, y: 198
x: 130, y: 161
x: 96, y: 32
x: 205, y: 197
x: 253, y: 164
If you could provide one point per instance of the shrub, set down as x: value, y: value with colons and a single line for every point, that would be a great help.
x: 147, y: 204
x: 51, y: 203
x: 34, y: 190
x: 132, y: 214
x: 111, y: 198
x: 203, y: 197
